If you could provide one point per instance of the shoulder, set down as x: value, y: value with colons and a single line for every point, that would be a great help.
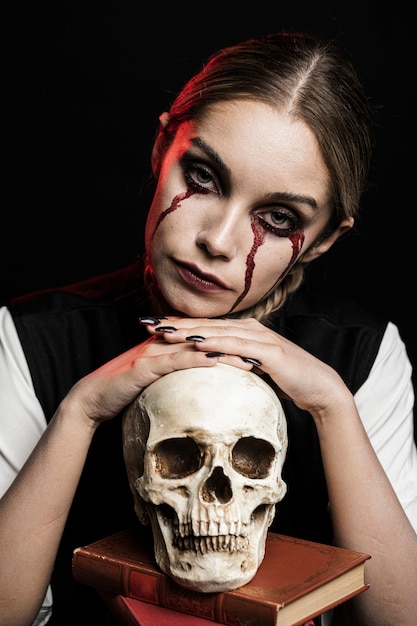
x: 310, y: 308
x: 93, y: 313
x: 333, y: 310
x: 98, y: 290
x: 99, y: 313
x: 67, y: 332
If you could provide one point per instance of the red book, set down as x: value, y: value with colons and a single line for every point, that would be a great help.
x: 130, y: 612
x: 296, y: 581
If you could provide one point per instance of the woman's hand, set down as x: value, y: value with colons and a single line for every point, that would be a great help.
x: 105, y: 392
x: 249, y: 344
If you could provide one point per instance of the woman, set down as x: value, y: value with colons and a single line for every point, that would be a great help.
x: 259, y: 167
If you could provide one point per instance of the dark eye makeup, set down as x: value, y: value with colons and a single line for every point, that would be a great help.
x: 278, y: 220
x: 199, y: 177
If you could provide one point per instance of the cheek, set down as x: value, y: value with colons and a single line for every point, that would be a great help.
x: 276, y: 255
x: 163, y: 206
x: 273, y: 262
x: 154, y: 212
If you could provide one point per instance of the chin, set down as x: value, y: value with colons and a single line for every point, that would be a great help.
x: 198, y: 309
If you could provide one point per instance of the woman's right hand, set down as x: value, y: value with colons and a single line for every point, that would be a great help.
x: 103, y: 393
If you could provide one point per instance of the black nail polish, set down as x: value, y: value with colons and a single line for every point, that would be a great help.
x: 248, y: 359
x: 165, y: 329
x: 195, y: 338
x: 211, y: 355
x: 150, y: 320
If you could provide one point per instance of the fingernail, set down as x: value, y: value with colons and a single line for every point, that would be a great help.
x: 247, y: 359
x: 165, y: 329
x: 211, y: 355
x: 195, y: 338
x: 150, y: 320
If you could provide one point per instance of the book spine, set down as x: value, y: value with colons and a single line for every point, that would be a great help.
x: 95, y: 571
x: 224, y: 608
x: 158, y: 588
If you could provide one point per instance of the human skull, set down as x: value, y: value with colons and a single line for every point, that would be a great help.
x: 204, y: 450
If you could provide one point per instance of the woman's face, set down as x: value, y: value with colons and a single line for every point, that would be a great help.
x: 240, y: 196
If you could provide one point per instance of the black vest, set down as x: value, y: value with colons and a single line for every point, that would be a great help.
x: 66, y: 333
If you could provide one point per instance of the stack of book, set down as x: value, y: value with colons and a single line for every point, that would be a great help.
x: 296, y: 581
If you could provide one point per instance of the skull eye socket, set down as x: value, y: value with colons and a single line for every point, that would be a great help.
x: 253, y: 457
x: 178, y: 457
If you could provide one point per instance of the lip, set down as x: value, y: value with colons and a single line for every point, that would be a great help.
x: 196, y: 278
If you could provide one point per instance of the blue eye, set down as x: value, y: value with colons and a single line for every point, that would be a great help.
x: 280, y: 219
x: 203, y: 176
x: 280, y: 222
x: 199, y: 179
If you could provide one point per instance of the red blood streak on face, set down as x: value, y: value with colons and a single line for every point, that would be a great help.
x: 174, y: 206
x: 258, y: 239
x: 297, y: 240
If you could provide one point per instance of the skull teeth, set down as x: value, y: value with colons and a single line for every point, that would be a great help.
x: 211, y: 543
x: 213, y: 528
x: 214, y: 521
x: 210, y: 537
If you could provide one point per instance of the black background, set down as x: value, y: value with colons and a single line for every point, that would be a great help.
x: 84, y: 84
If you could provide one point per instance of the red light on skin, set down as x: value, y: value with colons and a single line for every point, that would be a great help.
x: 174, y: 206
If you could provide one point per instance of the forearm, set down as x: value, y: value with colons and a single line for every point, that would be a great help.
x: 34, y: 510
x: 33, y: 513
x: 368, y: 517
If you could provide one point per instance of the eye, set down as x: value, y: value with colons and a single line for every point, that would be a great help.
x: 281, y: 221
x: 253, y: 457
x: 200, y: 178
x: 178, y: 457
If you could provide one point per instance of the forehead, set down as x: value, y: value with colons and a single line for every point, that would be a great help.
x: 213, y: 400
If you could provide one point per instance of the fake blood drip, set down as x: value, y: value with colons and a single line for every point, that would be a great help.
x: 296, y: 238
x: 174, y: 206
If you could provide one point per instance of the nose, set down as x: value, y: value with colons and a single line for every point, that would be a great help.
x: 217, y: 487
x: 222, y: 232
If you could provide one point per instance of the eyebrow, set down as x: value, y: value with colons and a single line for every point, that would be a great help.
x: 275, y: 196
x: 279, y: 196
x: 197, y: 141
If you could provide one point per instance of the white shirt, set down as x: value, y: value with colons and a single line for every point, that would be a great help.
x: 385, y: 403
x: 22, y: 421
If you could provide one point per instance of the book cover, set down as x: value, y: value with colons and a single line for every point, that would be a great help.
x: 131, y: 612
x: 296, y: 581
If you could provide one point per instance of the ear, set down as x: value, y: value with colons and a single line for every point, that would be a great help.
x: 156, y: 150
x: 322, y: 246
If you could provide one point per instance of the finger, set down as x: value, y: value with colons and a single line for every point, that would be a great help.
x: 219, y: 325
x: 176, y: 333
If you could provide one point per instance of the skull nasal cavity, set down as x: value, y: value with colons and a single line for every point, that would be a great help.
x: 217, y: 487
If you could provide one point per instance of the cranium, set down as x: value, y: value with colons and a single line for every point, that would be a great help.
x: 204, y: 450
